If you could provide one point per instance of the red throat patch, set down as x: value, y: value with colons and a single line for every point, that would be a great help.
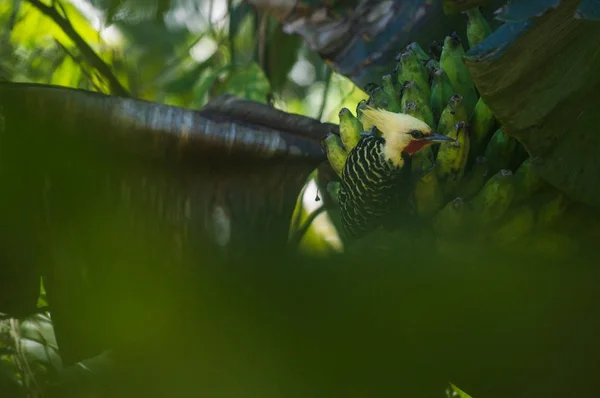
x: 415, y: 146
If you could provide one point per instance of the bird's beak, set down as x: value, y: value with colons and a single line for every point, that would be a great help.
x: 435, y: 137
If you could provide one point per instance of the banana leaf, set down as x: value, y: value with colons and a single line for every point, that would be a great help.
x: 106, y: 197
x: 360, y: 39
x: 540, y: 78
x: 522, y: 10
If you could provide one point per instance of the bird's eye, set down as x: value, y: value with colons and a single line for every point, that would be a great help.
x: 416, y: 134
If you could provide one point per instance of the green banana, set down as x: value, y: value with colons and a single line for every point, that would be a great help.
x: 514, y: 225
x: 410, y: 108
x: 336, y: 153
x: 422, y: 56
x: 453, y: 113
x: 441, y: 91
x: 526, y: 181
x: 452, y: 159
x: 366, y: 126
x: 474, y: 179
x: 350, y: 129
x: 431, y: 66
x: 552, y: 206
x: 477, y: 27
x: 428, y: 195
x: 411, y: 70
x: 411, y: 92
x: 494, y: 199
x: 451, y: 218
x: 369, y: 87
x: 411, y: 105
x: 378, y: 98
x: 500, y: 150
x: 390, y: 91
x: 482, y: 123
x: 519, y: 156
x: 452, y: 62
x: 435, y: 49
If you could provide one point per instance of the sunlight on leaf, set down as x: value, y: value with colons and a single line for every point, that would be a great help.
x: 35, y: 29
x: 67, y: 74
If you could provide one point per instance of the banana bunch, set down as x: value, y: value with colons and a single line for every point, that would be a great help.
x: 484, y: 185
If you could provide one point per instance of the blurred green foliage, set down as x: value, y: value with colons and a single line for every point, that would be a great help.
x: 395, y: 318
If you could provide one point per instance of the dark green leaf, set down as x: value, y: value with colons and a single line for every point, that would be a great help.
x: 243, y: 36
x: 237, y: 15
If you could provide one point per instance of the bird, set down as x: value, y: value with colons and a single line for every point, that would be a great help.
x: 376, y: 177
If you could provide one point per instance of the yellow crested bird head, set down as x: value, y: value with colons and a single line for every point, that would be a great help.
x: 402, y: 133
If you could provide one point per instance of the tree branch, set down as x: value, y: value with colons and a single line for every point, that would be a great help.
x: 88, y: 53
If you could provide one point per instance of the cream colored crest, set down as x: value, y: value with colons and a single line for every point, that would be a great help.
x: 395, y: 128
